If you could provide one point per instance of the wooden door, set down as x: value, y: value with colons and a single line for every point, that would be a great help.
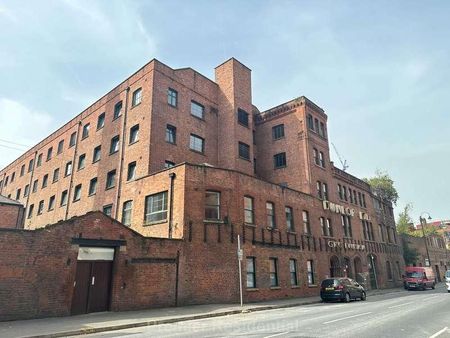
x: 81, y: 288
x: 100, y: 286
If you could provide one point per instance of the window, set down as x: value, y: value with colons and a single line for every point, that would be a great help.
x: 171, y: 134
x: 329, y: 228
x: 117, y: 110
x: 18, y: 194
x: 325, y: 191
x: 364, y: 200
x: 111, y: 179
x: 131, y: 173
x: 321, y: 159
x: 316, y: 156
x: 35, y: 185
x: 279, y: 160
x: 316, y: 125
x: 114, y: 148
x: 68, y: 168
x: 97, y: 154
x: 306, y: 223
x: 322, y: 131
x: 212, y: 205
x: 319, y: 189
x: 55, y: 175
x: 77, y: 193
x: 323, y: 226
x: 270, y: 213
x: 309, y: 120
x: 44, y: 181
x: 85, y: 132
x: 6, y: 180
x: 156, y: 207
x: 51, y: 203
x: 101, y: 121
x: 273, y: 272
x: 30, y: 166
x: 310, y: 271
x: 293, y: 272
x: 360, y: 198
x: 73, y: 139
x: 60, y: 147
x: 244, y: 151
x: 251, y: 273
x: 81, y: 161
x: 388, y: 270
x: 26, y: 191
x: 107, y: 210
x: 197, y: 110
x: 40, y: 207
x: 30, y: 211
x: 172, y: 97
x: 169, y: 164
x: 243, y: 117
x: 39, y: 160
x: 350, y: 195
x: 126, y: 212
x: 347, y: 225
x: 344, y: 192
x: 22, y: 170
x: 93, y: 186
x: 13, y: 176
x: 197, y: 143
x: 278, y: 132
x: 249, y: 214
x: 134, y: 134
x: 289, y: 219
x: 381, y: 231
x: 64, y: 196
x: 137, y: 97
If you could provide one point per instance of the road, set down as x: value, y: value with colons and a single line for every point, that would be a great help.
x: 402, y: 314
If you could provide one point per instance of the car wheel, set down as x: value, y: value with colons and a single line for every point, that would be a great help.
x: 363, y: 296
x: 433, y: 286
x: 448, y: 291
x: 347, y: 298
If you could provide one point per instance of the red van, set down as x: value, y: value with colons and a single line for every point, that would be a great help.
x: 419, y: 278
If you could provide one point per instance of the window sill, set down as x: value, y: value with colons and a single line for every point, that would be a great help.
x: 131, y: 143
x: 74, y: 201
x: 244, y: 125
x: 214, y: 221
x: 245, y: 159
x: 174, y: 143
x: 198, y: 118
x: 275, y: 288
x: 319, y: 166
x: 252, y: 289
x: 109, y: 188
x: 292, y: 232
x: 250, y: 225
x: 96, y: 161
x: 99, y: 128
x: 173, y: 106
x: 117, y: 117
x: 277, y: 139
x: 282, y: 167
x: 114, y: 152
x: 79, y: 169
x: 93, y: 194
x: 312, y: 285
x: 50, y: 209
x: 136, y: 105
x: 84, y: 137
x: 155, y: 222
x: 295, y: 286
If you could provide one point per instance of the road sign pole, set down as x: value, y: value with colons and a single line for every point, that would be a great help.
x: 240, y: 254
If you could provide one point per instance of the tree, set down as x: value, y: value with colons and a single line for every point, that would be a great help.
x: 383, y: 186
x: 410, y: 255
x: 405, y: 222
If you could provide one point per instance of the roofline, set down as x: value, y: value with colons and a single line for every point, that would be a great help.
x: 232, y: 58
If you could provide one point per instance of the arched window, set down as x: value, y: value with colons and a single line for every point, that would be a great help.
x: 388, y: 270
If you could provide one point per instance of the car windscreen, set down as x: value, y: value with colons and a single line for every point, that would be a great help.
x: 329, y: 282
x: 447, y: 274
x: 414, y: 274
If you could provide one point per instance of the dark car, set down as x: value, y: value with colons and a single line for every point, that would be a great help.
x: 343, y: 289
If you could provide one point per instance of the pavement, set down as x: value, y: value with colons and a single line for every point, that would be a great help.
x: 112, y: 321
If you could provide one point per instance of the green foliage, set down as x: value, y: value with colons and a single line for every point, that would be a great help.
x: 383, y: 186
x: 404, y: 222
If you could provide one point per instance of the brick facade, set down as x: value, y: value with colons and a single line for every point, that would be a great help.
x: 11, y: 213
x: 279, y: 159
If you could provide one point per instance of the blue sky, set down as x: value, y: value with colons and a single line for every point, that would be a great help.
x: 380, y: 69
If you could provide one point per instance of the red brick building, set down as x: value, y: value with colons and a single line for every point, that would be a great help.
x: 11, y: 213
x: 173, y: 154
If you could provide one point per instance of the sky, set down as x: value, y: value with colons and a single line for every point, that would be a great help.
x: 380, y: 70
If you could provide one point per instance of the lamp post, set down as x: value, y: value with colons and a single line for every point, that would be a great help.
x: 423, y: 223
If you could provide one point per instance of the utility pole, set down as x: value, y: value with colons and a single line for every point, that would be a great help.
x: 240, y: 254
x: 423, y: 223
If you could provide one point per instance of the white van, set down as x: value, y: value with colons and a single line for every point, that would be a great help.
x: 447, y: 280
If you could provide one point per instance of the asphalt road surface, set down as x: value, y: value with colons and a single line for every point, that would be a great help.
x: 402, y: 314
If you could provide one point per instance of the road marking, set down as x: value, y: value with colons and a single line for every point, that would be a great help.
x: 336, y: 320
x: 276, y: 334
x: 391, y: 307
x: 439, y: 332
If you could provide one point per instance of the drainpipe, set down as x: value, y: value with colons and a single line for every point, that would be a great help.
x: 72, y: 174
x: 172, y: 180
x: 30, y: 185
x: 177, y: 277
x: 122, y: 153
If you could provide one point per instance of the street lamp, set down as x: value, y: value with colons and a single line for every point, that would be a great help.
x: 423, y: 223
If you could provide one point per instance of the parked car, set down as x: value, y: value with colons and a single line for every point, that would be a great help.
x: 341, y: 288
x: 447, y: 280
x: 419, y: 278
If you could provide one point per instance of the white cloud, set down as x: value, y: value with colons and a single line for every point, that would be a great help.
x: 5, y: 12
x: 21, y: 125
